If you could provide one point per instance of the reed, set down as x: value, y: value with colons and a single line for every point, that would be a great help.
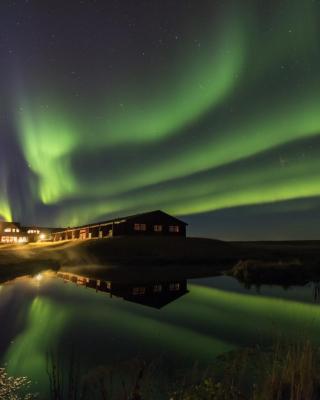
x: 287, y: 371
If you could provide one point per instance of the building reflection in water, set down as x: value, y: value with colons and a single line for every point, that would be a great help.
x: 152, y: 294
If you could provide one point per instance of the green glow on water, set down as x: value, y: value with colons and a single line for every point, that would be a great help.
x: 252, y: 318
x: 197, y: 327
x: 27, y: 353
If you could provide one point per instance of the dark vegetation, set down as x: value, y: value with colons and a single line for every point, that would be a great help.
x: 284, y: 263
x: 284, y: 372
x: 285, y: 273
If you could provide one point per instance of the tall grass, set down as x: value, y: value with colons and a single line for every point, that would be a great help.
x: 293, y: 374
x: 283, y: 372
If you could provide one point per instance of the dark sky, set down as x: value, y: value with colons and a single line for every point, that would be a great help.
x: 209, y: 110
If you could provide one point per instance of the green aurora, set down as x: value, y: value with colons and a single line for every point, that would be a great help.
x: 5, y: 208
x: 229, y: 118
x: 5, y: 211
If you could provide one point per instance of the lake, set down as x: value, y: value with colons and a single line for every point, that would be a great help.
x: 176, y: 322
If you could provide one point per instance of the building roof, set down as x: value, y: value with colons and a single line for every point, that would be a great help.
x: 43, y: 228
x: 123, y: 219
x: 7, y: 223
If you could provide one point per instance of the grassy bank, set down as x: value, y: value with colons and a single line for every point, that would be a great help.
x: 153, y: 254
x: 253, y: 262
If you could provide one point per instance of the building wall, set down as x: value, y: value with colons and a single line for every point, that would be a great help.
x: 12, y: 232
x: 149, y: 226
x: 154, y: 223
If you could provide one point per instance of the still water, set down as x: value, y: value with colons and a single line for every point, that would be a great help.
x: 181, y: 320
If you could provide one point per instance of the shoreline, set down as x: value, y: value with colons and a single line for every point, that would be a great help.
x: 250, y: 262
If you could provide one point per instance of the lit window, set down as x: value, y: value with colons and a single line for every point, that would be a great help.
x: 174, y: 287
x: 157, y: 228
x: 9, y: 239
x: 138, y: 290
x: 174, y: 228
x: 140, y: 227
x: 32, y: 231
x: 157, y: 288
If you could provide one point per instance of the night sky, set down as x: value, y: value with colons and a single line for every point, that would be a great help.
x: 209, y: 110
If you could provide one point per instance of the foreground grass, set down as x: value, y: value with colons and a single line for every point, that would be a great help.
x: 285, y: 372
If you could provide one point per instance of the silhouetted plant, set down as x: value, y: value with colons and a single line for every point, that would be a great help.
x: 14, y: 388
x: 285, y: 372
x: 293, y: 374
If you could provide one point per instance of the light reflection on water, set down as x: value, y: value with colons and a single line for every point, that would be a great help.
x: 106, y: 321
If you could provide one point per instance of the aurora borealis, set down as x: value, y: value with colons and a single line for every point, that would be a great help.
x: 206, y: 109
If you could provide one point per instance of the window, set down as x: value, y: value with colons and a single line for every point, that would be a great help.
x: 157, y: 228
x: 174, y: 287
x: 140, y: 227
x: 33, y: 231
x: 174, y: 228
x: 9, y: 239
x: 138, y: 290
x: 157, y: 288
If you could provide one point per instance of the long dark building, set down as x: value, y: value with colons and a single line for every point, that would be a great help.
x: 157, y: 223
